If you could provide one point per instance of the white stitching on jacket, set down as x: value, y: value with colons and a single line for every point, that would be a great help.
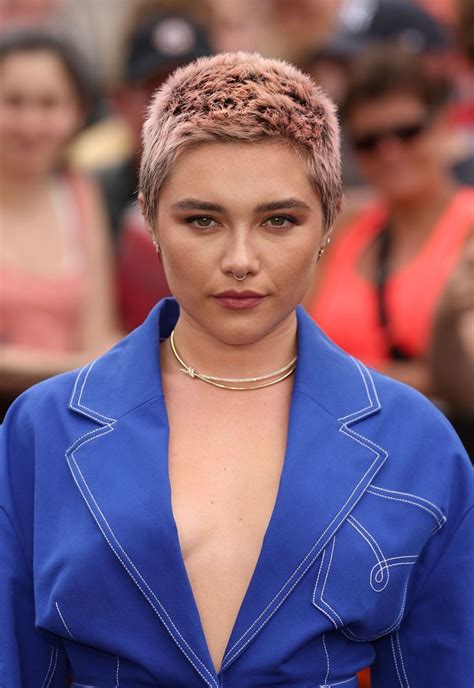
x: 376, y: 549
x: 397, y: 634
x: 370, y: 638
x: 338, y: 683
x: 49, y: 667
x: 54, y: 667
x: 64, y: 623
x: 395, y: 562
x: 328, y: 665
x: 357, y: 415
x: 395, y: 662
x: 97, y: 417
x: 378, y: 492
x: 82, y: 406
x: 326, y: 580
x: 317, y: 598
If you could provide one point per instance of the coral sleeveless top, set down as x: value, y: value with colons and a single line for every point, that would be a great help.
x: 41, y: 311
x: 346, y: 305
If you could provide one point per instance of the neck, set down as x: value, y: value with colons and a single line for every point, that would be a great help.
x: 421, y: 210
x: 21, y: 189
x: 211, y: 356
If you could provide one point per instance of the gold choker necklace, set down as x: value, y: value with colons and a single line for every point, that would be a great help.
x: 234, y: 382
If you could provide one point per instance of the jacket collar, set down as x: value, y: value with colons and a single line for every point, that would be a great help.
x: 121, y: 468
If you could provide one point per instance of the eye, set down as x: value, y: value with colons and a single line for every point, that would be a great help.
x: 281, y: 221
x: 201, y: 221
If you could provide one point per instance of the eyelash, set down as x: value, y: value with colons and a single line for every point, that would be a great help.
x: 289, y: 218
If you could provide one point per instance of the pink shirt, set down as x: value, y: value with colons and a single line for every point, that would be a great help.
x: 41, y: 311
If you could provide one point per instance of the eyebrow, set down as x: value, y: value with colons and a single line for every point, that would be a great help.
x: 285, y: 203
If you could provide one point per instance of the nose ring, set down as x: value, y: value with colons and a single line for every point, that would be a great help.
x: 239, y: 278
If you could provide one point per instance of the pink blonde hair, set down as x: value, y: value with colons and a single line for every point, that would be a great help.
x: 241, y: 97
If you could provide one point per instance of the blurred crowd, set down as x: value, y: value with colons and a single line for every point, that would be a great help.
x: 77, y: 266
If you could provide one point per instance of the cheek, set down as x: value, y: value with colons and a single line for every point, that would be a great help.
x: 294, y: 266
x: 62, y: 125
x: 369, y: 166
x: 187, y: 265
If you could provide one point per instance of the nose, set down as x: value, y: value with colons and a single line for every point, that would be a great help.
x: 30, y: 120
x: 390, y: 147
x: 240, y: 256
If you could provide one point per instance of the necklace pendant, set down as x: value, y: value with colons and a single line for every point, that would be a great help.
x: 235, y: 383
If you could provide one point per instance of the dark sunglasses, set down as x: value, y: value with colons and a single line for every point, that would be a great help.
x: 404, y: 133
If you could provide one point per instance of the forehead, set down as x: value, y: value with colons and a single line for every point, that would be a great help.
x: 239, y: 173
x: 386, y: 110
x: 37, y: 68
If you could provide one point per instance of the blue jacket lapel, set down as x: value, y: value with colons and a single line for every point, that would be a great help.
x: 120, y: 468
x: 121, y: 471
x: 328, y: 467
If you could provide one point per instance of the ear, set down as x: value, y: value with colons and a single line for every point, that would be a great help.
x: 141, y: 203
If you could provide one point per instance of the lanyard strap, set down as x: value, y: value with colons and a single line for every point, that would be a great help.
x: 384, y: 248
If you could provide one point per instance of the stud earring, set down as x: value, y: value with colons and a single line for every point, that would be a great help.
x: 157, y: 247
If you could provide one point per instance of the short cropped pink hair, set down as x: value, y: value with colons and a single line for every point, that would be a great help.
x: 241, y: 97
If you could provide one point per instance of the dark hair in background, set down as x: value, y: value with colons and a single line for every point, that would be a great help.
x: 386, y: 72
x: 34, y: 40
x: 465, y: 28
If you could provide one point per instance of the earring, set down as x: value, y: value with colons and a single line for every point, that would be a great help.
x: 157, y: 247
x: 323, y: 247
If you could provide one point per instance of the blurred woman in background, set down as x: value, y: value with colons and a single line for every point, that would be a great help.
x: 377, y: 294
x: 56, y: 307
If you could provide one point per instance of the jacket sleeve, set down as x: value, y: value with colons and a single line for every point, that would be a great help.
x: 434, y: 645
x: 28, y: 658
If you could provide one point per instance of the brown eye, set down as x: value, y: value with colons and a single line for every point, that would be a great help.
x: 280, y: 221
x: 201, y: 221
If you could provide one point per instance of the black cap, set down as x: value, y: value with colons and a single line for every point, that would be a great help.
x: 378, y: 22
x: 408, y: 24
x: 161, y: 44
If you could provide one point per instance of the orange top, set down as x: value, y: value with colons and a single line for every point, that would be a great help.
x: 346, y: 304
x: 41, y: 311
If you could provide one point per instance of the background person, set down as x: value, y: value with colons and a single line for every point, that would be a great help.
x: 377, y: 293
x: 156, y: 44
x: 452, y: 347
x: 56, y: 298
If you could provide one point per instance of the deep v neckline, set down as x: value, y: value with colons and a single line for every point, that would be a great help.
x: 177, y: 545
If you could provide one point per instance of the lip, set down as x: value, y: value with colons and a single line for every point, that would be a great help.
x: 239, y: 300
x: 233, y: 294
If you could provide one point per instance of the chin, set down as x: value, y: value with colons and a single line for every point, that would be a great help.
x: 245, y: 329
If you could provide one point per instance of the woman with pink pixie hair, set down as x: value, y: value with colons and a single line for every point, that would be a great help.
x: 226, y: 498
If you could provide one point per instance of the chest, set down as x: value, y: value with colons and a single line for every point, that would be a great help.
x: 224, y: 469
x: 48, y: 250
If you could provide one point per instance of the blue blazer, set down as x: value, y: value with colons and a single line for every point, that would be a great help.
x: 367, y: 559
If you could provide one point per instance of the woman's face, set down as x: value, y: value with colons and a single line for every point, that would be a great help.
x: 39, y: 111
x: 239, y: 209
x: 398, y: 146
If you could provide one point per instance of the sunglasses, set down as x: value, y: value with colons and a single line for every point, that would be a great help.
x: 403, y: 133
